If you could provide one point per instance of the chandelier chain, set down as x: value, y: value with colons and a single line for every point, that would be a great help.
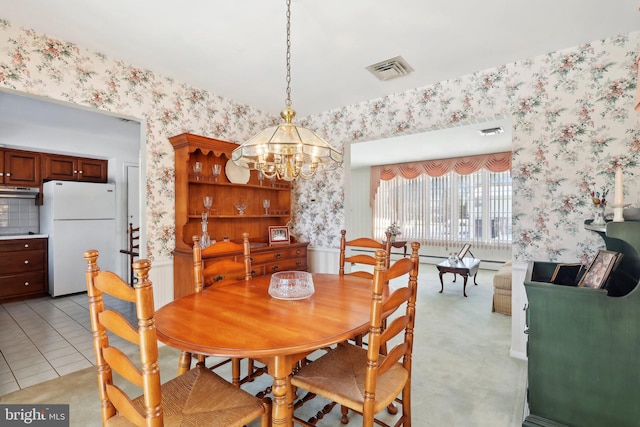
x: 288, y: 100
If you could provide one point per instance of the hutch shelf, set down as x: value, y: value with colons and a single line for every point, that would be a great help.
x: 223, y: 218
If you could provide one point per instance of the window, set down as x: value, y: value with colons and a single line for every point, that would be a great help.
x: 449, y: 210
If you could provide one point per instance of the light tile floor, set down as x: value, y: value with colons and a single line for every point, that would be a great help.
x: 46, y: 338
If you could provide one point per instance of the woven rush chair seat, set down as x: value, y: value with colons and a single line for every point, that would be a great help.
x: 201, y: 398
x: 340, y: 377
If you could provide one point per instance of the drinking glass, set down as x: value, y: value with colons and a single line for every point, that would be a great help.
x: 208, y: 201
x: 215, y: 170
x: 241, y: 208
x: 266, y: 203
x: 197, y: 170
x: 260, y: 177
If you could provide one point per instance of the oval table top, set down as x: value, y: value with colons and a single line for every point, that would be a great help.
x: 242, y: 320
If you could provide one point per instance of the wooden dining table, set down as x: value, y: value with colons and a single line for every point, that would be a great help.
x: 242, y: 320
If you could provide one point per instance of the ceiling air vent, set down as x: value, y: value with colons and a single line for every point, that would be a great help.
x: 390, y: 68
x: 491, y: 131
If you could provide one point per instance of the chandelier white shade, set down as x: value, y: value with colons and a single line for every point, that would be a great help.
x: 287, y: 151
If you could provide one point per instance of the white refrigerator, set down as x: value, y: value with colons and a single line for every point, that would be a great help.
x: 77, y: 216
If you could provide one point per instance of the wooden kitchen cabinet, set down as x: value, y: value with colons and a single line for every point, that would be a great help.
x: 70, y: 168
x: 223, y: 218
x: 23, y: 268
x: 19, y: 168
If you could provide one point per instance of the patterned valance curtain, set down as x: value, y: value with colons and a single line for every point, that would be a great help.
x: 496, y: 162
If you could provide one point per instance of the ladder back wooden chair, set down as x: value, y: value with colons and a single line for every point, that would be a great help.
x: 133, y: 250
x: 363, y: 379
x: 361, y: 242
x: 199, y: 397
x: 365, y: 259
x: 219, y: 273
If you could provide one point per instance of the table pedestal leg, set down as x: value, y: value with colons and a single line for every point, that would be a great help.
x: 280, y: 369
x: 441, y: 284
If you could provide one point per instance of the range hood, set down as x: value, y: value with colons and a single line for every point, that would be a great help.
x: 19, y: 192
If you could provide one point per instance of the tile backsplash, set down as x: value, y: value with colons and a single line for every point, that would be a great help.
x: 18, y: 216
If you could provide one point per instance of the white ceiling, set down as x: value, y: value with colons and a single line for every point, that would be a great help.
x: 236, y: 49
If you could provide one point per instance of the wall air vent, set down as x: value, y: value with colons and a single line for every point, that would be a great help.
x: 390, y: 68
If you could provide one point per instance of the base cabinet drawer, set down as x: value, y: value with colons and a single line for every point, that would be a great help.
x: 22, y: 262
x: 23, y: 268
x: 22, y: 284
x: 8, y: 246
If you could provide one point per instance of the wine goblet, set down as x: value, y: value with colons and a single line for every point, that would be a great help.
x: 260, y: 177
x: 266, y: 203
x: 215, y: 170
x: 208, y: 201
x: 197, y: 170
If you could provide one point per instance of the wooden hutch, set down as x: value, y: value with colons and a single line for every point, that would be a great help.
x: 224, y: 220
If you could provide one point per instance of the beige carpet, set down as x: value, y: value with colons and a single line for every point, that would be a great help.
x: 463, y: 374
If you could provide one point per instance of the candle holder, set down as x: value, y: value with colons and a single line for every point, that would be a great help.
x: 617, y: 213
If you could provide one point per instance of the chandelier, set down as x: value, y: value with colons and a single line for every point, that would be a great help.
x: 287, y: 151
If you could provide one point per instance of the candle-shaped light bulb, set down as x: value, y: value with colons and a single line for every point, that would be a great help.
x: 619, y: 189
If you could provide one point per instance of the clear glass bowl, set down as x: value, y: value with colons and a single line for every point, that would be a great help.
x: 291, y: 285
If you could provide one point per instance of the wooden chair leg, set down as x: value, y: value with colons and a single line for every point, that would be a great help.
x: 184, y: 363
x: 201, y: 358
x: 345, y: 411
x: 250, y: 368
x: 235, y: 371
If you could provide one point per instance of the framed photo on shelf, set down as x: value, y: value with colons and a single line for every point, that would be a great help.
x: 598, y: 271
x: 464, y: 251
x: 279, y: 234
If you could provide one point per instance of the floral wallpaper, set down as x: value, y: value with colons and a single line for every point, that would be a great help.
x: 572, y: 114
x: 573, y: 119
x: 36, y: 64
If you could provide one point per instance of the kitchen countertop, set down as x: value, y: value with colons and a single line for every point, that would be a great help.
x: 23, y: 236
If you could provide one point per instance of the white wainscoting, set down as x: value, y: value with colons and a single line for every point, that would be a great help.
x: 518, y: 313
x: 161, y: 275
x: 323, y: 260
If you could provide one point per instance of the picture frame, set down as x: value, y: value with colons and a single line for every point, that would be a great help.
x: 566, y: 274
x: 599, y: 269
x: 279, y: 235
x: 464, y: 250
